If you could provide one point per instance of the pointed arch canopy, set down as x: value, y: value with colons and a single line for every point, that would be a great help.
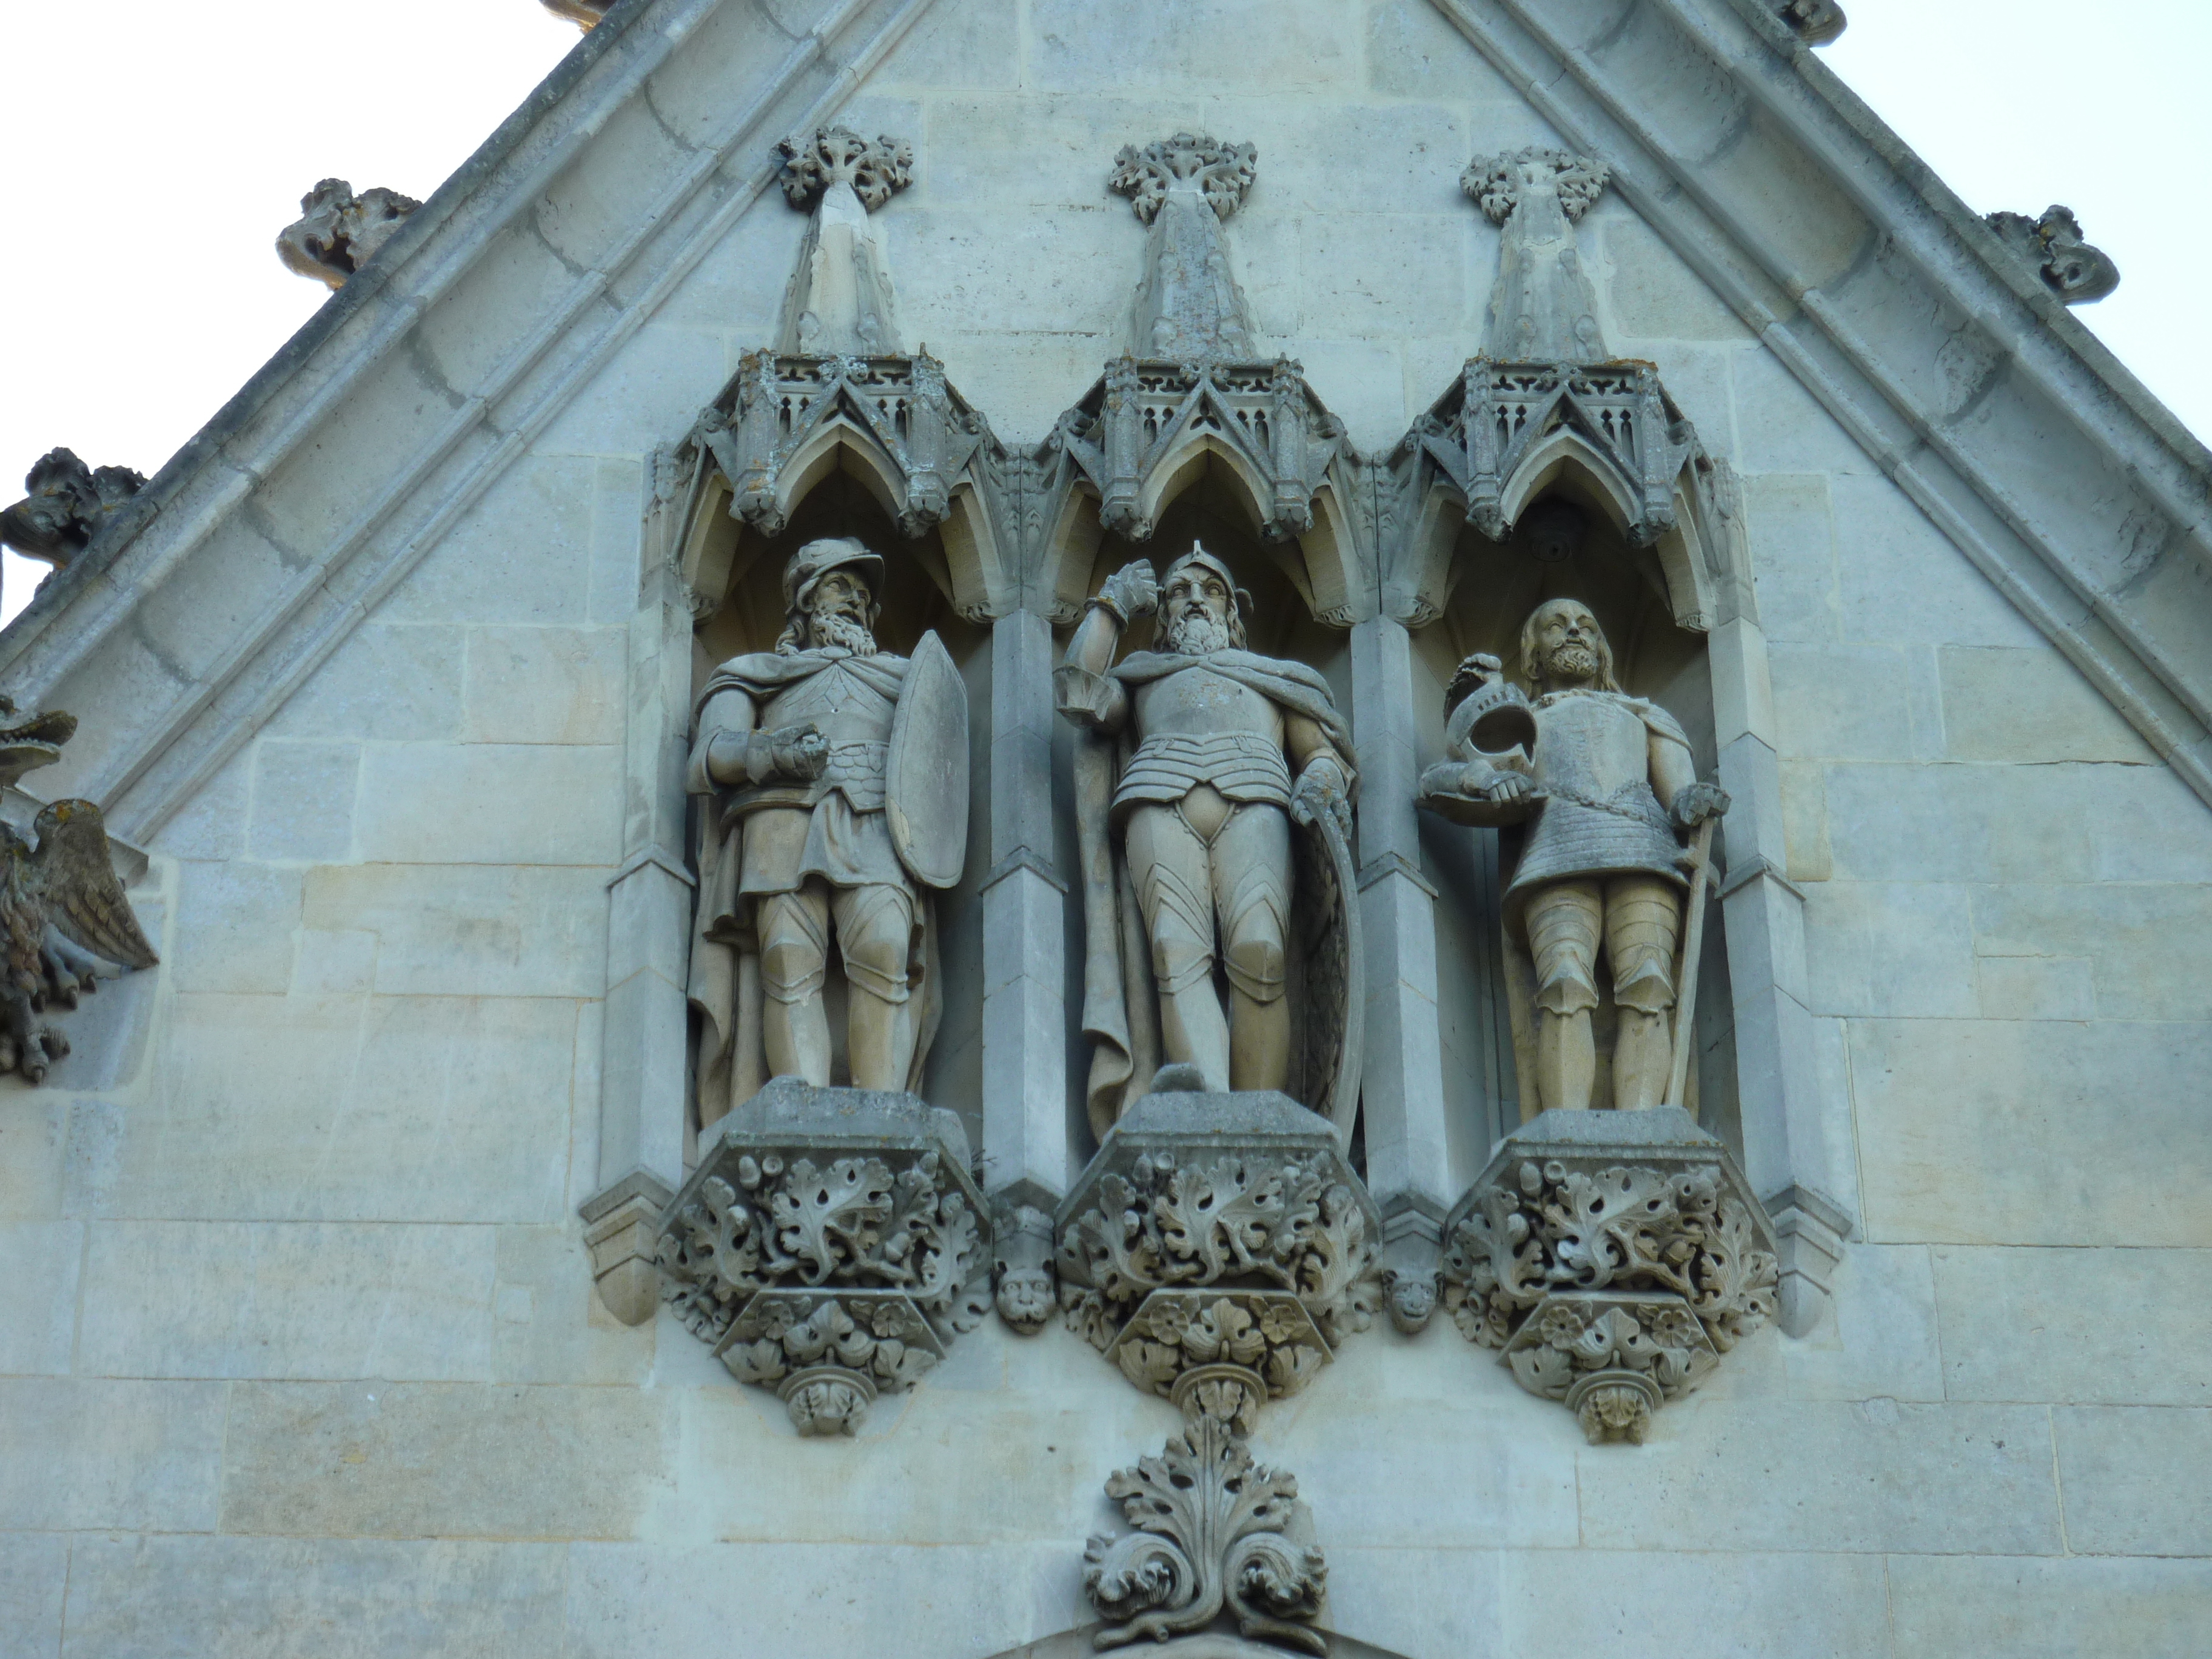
x: 786, y: 424
x: 1150, y: 430
x: 1506, y: 435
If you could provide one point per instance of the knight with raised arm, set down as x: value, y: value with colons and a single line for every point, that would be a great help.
x: 1197, y: 757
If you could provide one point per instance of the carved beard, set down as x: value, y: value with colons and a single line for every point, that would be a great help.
x: 830, y: 629
x: 1195, y: 633
x: 1572, y: 661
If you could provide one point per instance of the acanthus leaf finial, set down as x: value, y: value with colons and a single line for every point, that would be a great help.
x: 840, y: 300
x: 1542, y: 308
x: 1189, y: 307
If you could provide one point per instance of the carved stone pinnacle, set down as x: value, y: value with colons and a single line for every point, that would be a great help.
x: 64, y: 504
x: 2077, y: 273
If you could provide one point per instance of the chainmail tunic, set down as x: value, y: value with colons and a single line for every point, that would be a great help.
x: 1599, y: 816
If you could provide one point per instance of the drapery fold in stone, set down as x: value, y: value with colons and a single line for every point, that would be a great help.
x: 841, y: 298
x: 1189, y: 307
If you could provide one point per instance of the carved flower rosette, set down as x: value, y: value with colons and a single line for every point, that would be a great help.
x: 829, y: 1275
x: 1220, y: 1280
x: 1609, y: 1285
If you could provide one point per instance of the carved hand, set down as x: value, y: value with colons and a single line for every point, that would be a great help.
x: 799, y: 751
x: 1507, y: 785
x: 1133, y: 591
x: 1320, y: 788
x: 1696, y: 802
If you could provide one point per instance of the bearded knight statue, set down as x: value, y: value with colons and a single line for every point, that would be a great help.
x: 1193, y: 763
x: 1608, y: 789
x: 834, y: 780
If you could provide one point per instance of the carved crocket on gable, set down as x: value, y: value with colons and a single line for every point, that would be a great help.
x: 65, y: 923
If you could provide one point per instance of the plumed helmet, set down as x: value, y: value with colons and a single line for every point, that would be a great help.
x: 818, y: 558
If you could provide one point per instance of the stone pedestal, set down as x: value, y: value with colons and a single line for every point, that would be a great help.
x: 1612, y: 1258
x: 1219, y: 1249
x: 830, y: 1245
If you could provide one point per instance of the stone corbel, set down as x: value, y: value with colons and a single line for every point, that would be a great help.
x: 1022, y: 1275
x: 1611, y: 1258
x: 621, y: 1230
x: 1413, y: 1235
x: 2077, y: 273
x: 1218, y: 1248
x: 830, y: 1245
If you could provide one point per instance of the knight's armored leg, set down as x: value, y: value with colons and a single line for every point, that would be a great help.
x: 1565, y: 921
x: 794, y: 936
x: 875, y: 933
x: 1251, y: 859
x: 1643, y: 918
x: 1168, y: 866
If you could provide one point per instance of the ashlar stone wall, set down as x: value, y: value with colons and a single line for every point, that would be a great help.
x: 299, y: 1354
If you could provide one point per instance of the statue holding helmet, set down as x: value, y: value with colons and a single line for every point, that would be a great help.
x: 834, y: 778
x: 1213, y: 785
x: 1607, y: 785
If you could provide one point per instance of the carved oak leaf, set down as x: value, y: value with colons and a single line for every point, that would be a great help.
x: 1223, y: 172
x: 1496, y: 181
x: 823, y: 1219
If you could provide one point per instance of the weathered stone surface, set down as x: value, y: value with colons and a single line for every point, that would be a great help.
x: 270, y: 1598
x: 84, y: 1453
x: 38, y: 1263
x: 1874, y: 1475
x: 1950, y: 1604
x: 467, y: 929
x: 400, y: 1460
x: 293, y: 1300
x: 2086, y: 1165
x: 2109, y: 1327
x: 2120, y: 1476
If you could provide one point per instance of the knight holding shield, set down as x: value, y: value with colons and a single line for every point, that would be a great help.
x: 834, y: 776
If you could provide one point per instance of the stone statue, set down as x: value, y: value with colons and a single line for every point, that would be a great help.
x: 1609, y: 791
x: 1194, y: 761
x: 834, y: 776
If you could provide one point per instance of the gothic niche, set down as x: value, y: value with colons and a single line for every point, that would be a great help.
x: 831, y: 1240
x: 1567, y: 540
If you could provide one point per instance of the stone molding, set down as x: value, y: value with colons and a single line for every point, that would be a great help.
x: 337, y: 232
x: 1218, y: 1243
x: 1214, y: 1536
x: 65, y: 504
x: 2051, y: 245
x: 1810, y: 1230
x: 1611, y: 1258
x: 830, y: 1245
x: 621, y: 1225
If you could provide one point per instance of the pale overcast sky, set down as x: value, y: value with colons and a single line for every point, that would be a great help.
x: 150, y: 152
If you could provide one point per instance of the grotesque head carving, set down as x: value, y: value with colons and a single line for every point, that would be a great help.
x: 829, y: 590
x: 1562, y: 646
x: 1201, y: 607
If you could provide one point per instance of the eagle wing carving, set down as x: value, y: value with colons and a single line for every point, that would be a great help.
x: 72, y: 882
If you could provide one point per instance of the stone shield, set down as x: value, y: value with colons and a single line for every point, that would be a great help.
x: 926, y: 776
